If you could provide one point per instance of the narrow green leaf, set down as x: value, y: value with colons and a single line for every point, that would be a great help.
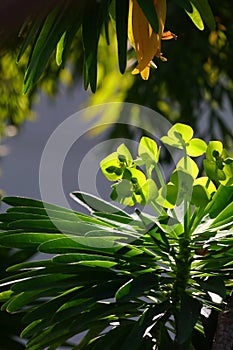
x: 25, y: 299
x: 31, y: 34
x: 206, y: 12
x: 29, y: 265
x: 214, y: 285
x: 136, y: 286
x: 188, y: 316
x: 117, y: 220
x: 60, y: 213
x: 91, y: 27
x: 27, y: 240
x: 10, y: 217
x: 149, y: 10
x: 135, y: 339
x: 44, y: 282
x: 224, y: 217
x: 90, y: 34
x: 220, y: 200
x: 121, y: 16
x: 74, y: 258
x: 57, y: 22
x: 195, y: 16
x: 32, y: 328
x: 68, y: 245
x: 92, y: 202
x: 60, y: 49
x: 41, y: 53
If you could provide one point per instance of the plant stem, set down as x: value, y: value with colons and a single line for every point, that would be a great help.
x: 187, y: 208
x: 182, y: 268
x: 159, y: 174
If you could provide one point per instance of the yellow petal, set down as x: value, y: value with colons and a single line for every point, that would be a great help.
x: 146, y: 43
x: 142, y: 38
x: 161, y: 8
x: 144, y: 73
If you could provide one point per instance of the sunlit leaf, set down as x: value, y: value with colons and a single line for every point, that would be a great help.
x: 206, y: 12
x: 196, y: 147
x: 148, y: 150
x: 189, y: 165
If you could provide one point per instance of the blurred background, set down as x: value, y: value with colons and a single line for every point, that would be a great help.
x: 194, y: 86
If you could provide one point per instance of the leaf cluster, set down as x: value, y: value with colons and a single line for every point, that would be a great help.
x: 139, y: 279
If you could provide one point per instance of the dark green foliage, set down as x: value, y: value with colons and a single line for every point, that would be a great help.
x: 44, y: 33
x: 11, y: 325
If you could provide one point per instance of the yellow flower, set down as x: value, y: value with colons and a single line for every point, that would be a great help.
x: 146, y: 43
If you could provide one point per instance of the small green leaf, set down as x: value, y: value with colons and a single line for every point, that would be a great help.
x: 60, y: 49
x: 178, y: 135
x: 25, y: 298
x: 122, y: 150
x: 185, y: 131
x: 201, y: 192
x: 213, y: 172
x: 123, y: 193
x: 148, y: 150
x: 150, y: 191
x: 189, y: 165
x: 196, y: 147
x: 167, y: 196
x: 213, y: 147
x: 111, y: 167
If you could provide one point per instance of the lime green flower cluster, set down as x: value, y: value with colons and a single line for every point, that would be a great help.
x: 133, y: 185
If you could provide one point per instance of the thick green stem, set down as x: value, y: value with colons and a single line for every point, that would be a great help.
x: 182, y: 275
x: 182, y: 269
x: 186, y: 202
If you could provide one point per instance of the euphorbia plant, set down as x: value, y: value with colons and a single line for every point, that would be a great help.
x: 142, y: 280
